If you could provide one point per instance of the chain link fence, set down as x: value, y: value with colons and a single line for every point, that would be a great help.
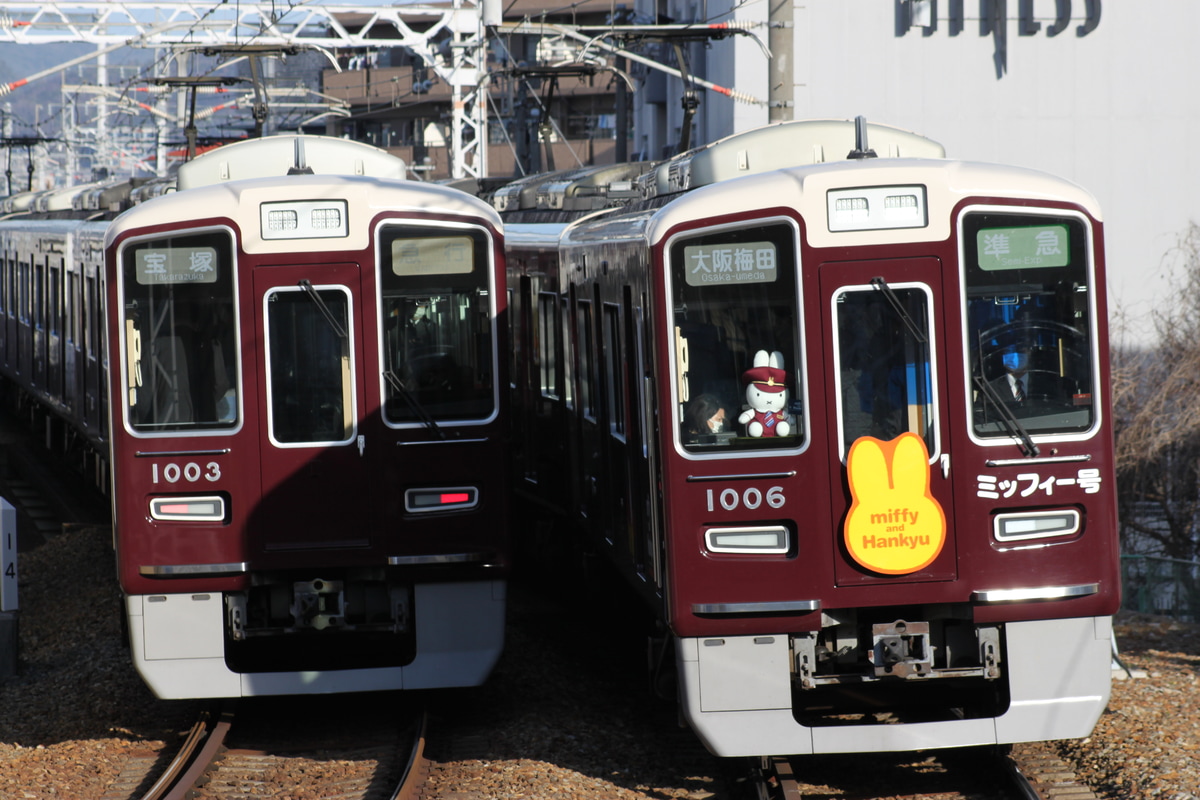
x: 1165, y: 586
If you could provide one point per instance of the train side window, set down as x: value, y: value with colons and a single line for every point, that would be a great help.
x: 614, y: 366
x: 548, y: 328
x: 568, y: 363
x: 437, y: 322
x: 72, y: 311
x: 884, y: 375
x: 39, y: 297
x: 584, y: 345
x: 734, y: 292
x: 1030, y: 328
x: 179, y: 355
x: 54, y: 301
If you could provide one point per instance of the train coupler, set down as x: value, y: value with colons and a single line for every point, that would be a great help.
x: 319, y: 605
x: 901, y: 649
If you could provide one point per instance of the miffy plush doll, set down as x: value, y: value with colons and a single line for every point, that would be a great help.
x: 766, y: 393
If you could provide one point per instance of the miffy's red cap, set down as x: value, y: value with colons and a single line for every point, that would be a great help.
x: 768, y: 379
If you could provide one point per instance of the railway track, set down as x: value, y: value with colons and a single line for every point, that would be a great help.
x: 360, y: 751
x: 1023, y: 772
x: 45, y: 493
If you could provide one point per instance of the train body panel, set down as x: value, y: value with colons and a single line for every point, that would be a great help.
x: 178, y: 644
x: 939, y: 494
x: 739, y: 700
x: 306, y: 432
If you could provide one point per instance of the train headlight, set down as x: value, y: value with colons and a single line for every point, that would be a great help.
x: 766, y: 540
x: 305, y: 219
x: 1022, y: 526
x: 872, y: 208
x: 210, y: 508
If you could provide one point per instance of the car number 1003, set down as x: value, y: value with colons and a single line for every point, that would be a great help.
x: 190, y: 472
x: 751, y: 498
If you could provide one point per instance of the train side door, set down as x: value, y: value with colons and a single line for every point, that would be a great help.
x: 314, y: 476
x: 885, y: 336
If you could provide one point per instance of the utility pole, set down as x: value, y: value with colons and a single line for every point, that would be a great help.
x: 781, y: 33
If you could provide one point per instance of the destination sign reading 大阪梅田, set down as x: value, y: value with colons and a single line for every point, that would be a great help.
x: 159, y: 265
x: 1028, y: 247
x: 718, y: 264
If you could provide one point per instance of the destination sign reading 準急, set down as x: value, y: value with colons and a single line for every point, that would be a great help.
x: 159, y: 265
x: 1030, y: 247
x: 718, y: 264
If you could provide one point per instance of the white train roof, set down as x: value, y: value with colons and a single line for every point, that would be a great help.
x: 786, y: 144
x: 277, y: 155
x: 808, y: 191
x: 243, y: 203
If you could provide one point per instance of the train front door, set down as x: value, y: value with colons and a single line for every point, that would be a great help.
x: 314, y: 468
x: 885, y: 328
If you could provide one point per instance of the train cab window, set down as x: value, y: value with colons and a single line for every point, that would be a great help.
x: 179, y: 340
x: 884, y: 376
x: 1029, y: 323
x: 437, y: 323
x: 734, y: 293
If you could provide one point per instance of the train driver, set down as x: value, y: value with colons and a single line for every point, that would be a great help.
x: 704, y: 416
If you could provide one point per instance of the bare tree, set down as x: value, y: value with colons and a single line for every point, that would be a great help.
x: 1156, y: 400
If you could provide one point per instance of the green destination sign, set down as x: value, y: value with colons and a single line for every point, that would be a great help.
x: 1023, y: 248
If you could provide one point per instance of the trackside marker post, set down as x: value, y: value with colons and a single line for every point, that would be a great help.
x: 8, y: 589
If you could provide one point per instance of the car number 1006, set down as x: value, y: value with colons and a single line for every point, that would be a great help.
x: 751, y: 498
x: 190, y: 472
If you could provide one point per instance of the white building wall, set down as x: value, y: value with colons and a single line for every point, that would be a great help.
x: 1115, y: 110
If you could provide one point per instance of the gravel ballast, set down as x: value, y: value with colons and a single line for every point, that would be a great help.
x: 566, y: 714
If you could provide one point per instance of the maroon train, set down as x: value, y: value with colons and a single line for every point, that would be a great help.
x: 305, y: 418
x: 841, y: 416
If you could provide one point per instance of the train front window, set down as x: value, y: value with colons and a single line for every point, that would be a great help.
x: 310, y: 369
x: 884, y: 376
x: 179, y: 334
x: 735, y: 299
x: 437, y: 325
x: 1030, y: 329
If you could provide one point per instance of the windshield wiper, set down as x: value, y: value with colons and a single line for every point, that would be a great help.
x: 882, y: 285
x: 1007, y: 417
x: 304, y: 284
x: 413, y: 403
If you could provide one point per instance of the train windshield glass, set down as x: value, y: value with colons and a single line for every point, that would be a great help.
x: 310, y: 368
x: 436, y: 325
x: 735, y: 301
x: 884, y: 376
x: 1030, y: 326
x: 180, y: 360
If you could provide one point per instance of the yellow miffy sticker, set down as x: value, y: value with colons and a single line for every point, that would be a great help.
x: 894, y: 526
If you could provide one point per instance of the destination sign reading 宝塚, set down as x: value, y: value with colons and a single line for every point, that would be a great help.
x: 159, y: 265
